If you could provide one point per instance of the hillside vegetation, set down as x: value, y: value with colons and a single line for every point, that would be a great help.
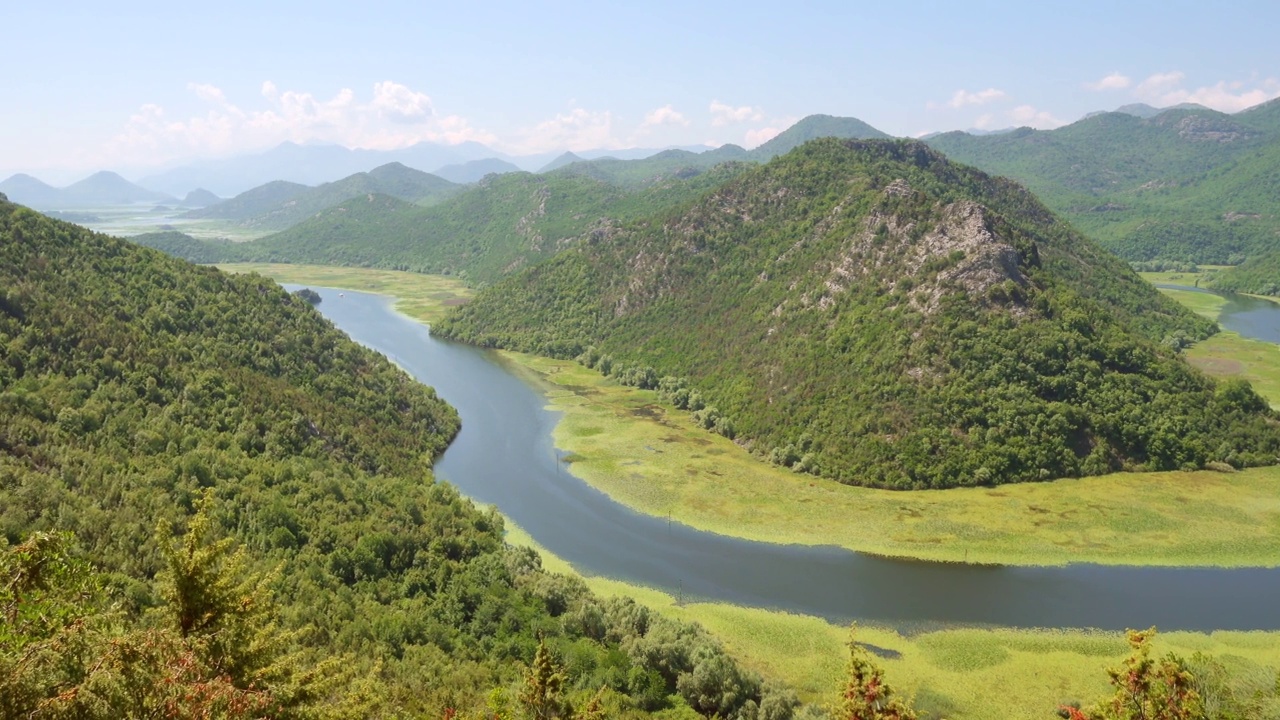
x: 871, y: 312
x: 1259, y: 275
x: 318, y: 570
x: 1188, y: 184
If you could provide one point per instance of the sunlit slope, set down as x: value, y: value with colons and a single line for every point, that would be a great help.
x: 872, y: 312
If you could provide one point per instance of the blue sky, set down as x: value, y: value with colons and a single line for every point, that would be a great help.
x: 130, y: 86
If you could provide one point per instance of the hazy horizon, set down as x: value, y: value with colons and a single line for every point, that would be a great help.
x: 146, y: 86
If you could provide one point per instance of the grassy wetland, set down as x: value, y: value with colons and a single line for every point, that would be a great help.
x: 666, y: 465
x: 950, y: 672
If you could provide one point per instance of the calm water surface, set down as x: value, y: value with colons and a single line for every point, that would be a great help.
x: 1250, y: 316
x: 504, y: 456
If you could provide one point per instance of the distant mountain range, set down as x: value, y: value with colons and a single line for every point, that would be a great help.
x: 279, y: 205
x: 473, y: 171
x: 1184, y: 183
x: 100, y: 189
x: 317, y: 164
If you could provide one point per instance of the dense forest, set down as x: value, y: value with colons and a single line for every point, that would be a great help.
x: 871, y: 312
x: 214, y: 504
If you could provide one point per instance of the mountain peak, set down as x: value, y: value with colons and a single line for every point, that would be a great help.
x: 561, y: 160
x: 813, y: 127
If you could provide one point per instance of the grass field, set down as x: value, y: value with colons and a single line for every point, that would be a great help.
x: 651, y: 457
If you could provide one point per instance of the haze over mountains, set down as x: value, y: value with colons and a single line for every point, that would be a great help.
x: 317, y: 164
x: 279, y: 205
x: 99, y: 189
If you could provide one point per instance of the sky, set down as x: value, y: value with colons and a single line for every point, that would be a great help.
x: 137, y: 86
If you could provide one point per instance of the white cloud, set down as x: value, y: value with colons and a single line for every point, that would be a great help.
x: 578, y: 129
x: 398, y: 103
x: 665, y: 115
x: 1159, y: 84
x: 984, y: 121
x: 722, y: 114
x: 395, y: 116
x: 760, y: 136
x: 1114, y: 81
x: 1031, y: 117
x: 1165, y: 89
x: 961, y: 98
x: 208, y: 93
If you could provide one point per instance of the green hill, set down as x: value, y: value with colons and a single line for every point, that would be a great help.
x: 813, y: 127
x: 200, y: 198
x: 137, y: 389
x: 1259, y: 275
x: 874, y: 313
x: 180, y: 244
x: 251, y: 203
x: 1186, y: 184
x: 666, y: 165
x: 281, y: 205
x: 502, y: 224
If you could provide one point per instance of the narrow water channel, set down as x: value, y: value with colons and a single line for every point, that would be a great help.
x: 504, y: 456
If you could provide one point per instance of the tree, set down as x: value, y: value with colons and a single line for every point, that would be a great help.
x: 217, y: 603
x: 1148, y: 689
x: 866, y: 696
x: 542, y: 695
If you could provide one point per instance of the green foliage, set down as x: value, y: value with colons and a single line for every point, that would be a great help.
x: 829, y: 311
x: 65, y: 654
x: 866, y: 695
x: 1259, y: 275
x: 180, y: 244
x: 542, y: 694
x: 321, y: 572
x: 1148, y: 689
x: 311, y: 296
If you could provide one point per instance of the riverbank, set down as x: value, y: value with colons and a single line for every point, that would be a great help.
x: 1228, y: 354
x: 951, y: 673
x: 422, y: 297
x: 651, y: 457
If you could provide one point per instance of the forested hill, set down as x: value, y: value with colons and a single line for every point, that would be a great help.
x: 136, y: 388
x: 872, y: 312
x: 1187, y: 184
x: 495, y: 228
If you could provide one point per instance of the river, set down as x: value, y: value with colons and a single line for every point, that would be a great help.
x: 504, y: 456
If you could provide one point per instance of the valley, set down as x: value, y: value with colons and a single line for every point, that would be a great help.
x: 631, y: 433
x: 946, y: 669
